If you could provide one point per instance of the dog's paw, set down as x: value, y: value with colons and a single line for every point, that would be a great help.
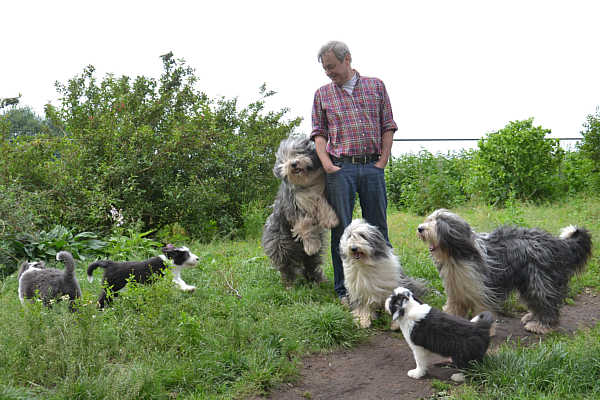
x: 395, y: 325
x: 537, y: 327
x: 458, y: 377
x: 416, y: 373
x: 330, y: 221
x: 311, y: 246
x: 188, y: 288
x: 526, y: 318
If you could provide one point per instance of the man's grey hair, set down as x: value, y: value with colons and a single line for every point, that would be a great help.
x: 339, y: 49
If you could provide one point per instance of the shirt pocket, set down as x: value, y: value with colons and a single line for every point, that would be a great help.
x: 370, y: 102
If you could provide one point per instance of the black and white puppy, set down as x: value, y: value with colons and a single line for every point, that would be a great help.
x: 429, y: 331
x: 49, y: 283
x: 116, y: 273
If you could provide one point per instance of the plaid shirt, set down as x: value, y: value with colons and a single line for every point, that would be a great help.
x: 353, y: 124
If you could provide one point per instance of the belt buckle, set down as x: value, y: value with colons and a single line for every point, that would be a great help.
x: 362, y: 159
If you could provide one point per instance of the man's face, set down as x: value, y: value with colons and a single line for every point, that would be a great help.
x: 338, y: 71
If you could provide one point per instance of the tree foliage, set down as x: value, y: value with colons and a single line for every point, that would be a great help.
x: 518, y: 160
x: 160, y: 151
x: 590, y: 144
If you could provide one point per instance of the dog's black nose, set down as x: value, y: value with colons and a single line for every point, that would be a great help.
x: 354, y: 248
x: 294, y: 164
x: 420, y: 229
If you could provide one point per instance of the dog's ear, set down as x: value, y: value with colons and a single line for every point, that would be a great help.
x: 455, y: 237
x: 276, y: 171
x: 397, y: 306
x: 168, y: 250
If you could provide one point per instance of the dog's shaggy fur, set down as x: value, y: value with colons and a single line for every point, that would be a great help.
x: 429, y: 331
x: 116, y: 273
x: 479, y: 271
x: 371, y: 270
x: 49, y: 283
x: 293, y: 235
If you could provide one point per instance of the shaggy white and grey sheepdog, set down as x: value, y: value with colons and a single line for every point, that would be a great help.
x: 371, y: 270
x: 116, y: 273
x: 293, y: 235
x: 480, y: 270
x: 49, y: 283
x: 429, y: 332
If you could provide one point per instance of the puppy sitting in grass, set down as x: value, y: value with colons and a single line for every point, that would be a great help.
x: 49, y: 283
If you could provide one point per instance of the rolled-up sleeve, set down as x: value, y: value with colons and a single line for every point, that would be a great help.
x: 319, y: 118
x: 387, y: 117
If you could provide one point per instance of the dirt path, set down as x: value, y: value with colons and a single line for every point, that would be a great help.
x: 377, y: 369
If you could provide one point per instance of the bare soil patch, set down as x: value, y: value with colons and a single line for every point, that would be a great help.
x: 377, y: 369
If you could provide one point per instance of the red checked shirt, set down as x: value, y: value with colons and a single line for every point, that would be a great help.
x: 353, y: 124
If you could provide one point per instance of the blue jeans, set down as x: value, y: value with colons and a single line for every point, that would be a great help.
x: 342, y: 186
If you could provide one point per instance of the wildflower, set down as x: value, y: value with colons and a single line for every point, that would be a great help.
x: 116, y: 215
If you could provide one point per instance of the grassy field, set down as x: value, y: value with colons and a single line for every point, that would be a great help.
x: 241, y: 332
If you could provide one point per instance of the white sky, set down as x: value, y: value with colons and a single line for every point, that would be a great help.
x: 452, y: 68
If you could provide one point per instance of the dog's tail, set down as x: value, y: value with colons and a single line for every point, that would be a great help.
x: 580, y: 243
x: 487, y: 321
x: 67, y: 258
x: 92, y: 267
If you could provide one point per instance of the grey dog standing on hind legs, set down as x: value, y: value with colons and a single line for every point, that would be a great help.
x: 49, y: 283
x: 480, y: 270
x: 293, y: 235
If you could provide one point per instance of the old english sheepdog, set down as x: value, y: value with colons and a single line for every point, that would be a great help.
x: 116, y: 273
x: 371, y: 270
x: 49, y: 283
x: 480, y: 270
x: 429, y: 331
x: 293, y: 235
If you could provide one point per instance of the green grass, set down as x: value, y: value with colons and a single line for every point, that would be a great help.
x: 241, y: 333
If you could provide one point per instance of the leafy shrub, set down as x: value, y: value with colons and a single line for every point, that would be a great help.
x: 159, y: 150
x: 517, y: 159
x: 44, y: 245
x: 579, y: 173
x: 128, y: 244
x: 590, y: 145
x: 423, y: 182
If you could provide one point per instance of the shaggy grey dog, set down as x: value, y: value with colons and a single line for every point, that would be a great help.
x: 49, y: 283
x: 480, y: 270
x: 293, y: 235
x: 371, y: 270
x: 116, y: 273
x: 429, y: 331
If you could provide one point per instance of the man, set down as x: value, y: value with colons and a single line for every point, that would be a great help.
x: 353, y: 129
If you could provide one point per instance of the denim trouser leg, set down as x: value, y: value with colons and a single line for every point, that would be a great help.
x: 373, y: 198
x: 342, y: 186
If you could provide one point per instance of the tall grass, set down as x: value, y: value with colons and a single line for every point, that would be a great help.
x: 241, y: 333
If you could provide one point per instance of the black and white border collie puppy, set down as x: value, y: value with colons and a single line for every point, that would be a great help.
x: 429, y: 332
x: 116, y: 273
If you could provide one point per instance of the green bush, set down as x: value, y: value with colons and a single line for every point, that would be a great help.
x: 590, y: 144
x: 517, y: 159
x: 423, y: 182
x: 160, y: 151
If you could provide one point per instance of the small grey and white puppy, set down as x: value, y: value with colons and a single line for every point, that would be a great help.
x: 49, y: 283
